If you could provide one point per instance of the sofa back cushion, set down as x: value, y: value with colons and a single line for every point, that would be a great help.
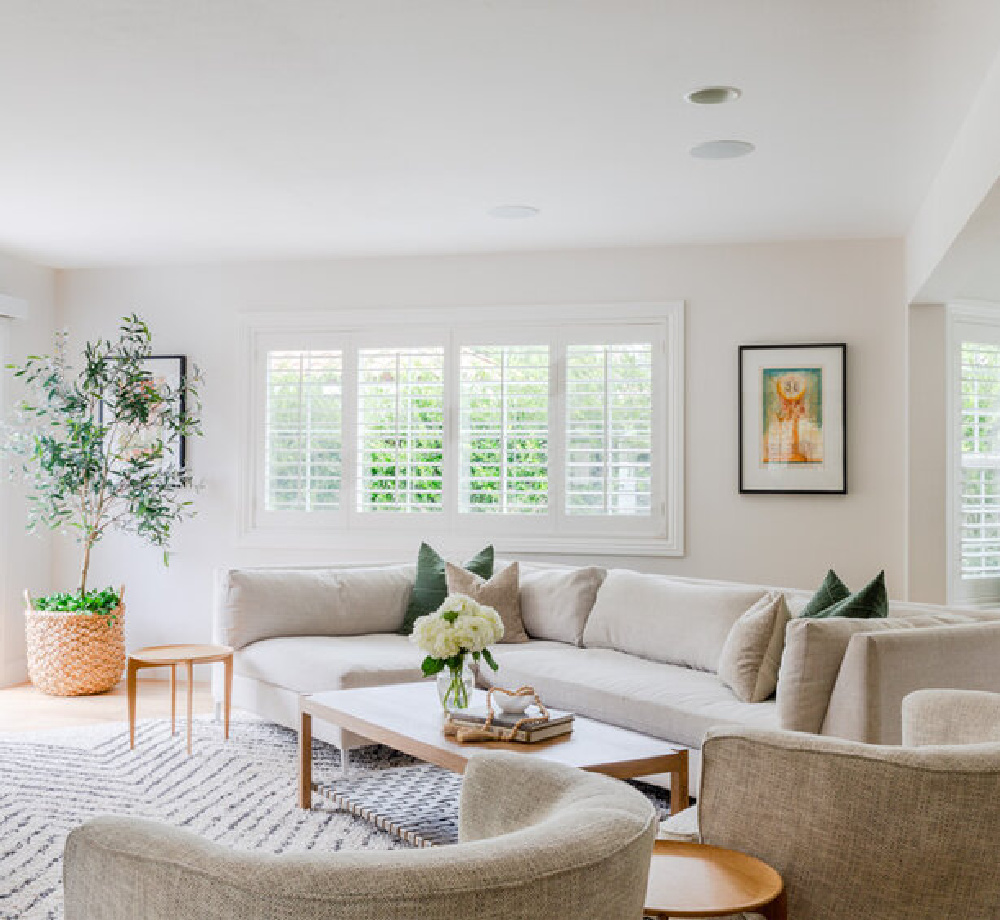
x: 667, y: 620
x: 814, y: 650
x: 256, y: 604
x: 556, y: 602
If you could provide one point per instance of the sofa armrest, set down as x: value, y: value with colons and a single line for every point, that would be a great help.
x: 948, y: 717
x: 880, y: 669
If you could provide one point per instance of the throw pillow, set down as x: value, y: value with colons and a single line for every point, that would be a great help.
x: 828, y: 594
x: 431, y: 586
x: 871, y: 601
x: 555, y: 602
x: 500, y: 593
x: 751, y: 654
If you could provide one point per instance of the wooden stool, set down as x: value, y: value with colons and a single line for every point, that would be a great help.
x: 171, y: 657
x: 689, y: 880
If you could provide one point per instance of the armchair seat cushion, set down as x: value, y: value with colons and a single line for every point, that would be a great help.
x: 666, y: 701
x: 311, y: 664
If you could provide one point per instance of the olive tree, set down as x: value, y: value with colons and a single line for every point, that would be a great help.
x: 96, y: 444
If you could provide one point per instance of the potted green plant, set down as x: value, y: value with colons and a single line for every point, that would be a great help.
x: 98, y: 448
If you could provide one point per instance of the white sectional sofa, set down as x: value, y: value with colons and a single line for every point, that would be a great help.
x: 635, y: 650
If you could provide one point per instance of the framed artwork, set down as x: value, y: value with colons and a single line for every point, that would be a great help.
x: 793, y: 418
x: 170, y: 371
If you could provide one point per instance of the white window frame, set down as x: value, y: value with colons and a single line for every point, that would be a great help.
x: 661, y: 534
x: 963, y: 322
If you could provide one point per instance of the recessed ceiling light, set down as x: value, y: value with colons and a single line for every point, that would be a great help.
x: 513, y: 212
x: 722, y: 150
x: 713, y: 95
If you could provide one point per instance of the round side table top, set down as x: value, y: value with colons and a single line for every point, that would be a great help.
x: 690, y: 880
x: 181, y: 652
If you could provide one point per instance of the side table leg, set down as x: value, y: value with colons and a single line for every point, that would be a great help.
x: 227, y: 703
x: 190, y: 689
x: 305, y: 760
x: 173, y: 698
x: 680, y: 797
x: 778, y: 908
x: 130, y: 688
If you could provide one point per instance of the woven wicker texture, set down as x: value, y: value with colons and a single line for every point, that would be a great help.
x: 72, y: 654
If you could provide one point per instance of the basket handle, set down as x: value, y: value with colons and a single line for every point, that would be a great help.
x: 27, y: 598
x: 121, y: 596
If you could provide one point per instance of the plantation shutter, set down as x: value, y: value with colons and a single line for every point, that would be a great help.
x: 400, y: 429
x: 979, y: 468
x: 609, y: 429
x: 302, y: 431
x: 504, y: 429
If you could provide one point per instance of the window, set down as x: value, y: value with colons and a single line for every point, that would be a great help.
x: 504, y: 430
x: 302, y: 468
x: 558, y: 431
x: 400, y: 433
x: 976, y: 460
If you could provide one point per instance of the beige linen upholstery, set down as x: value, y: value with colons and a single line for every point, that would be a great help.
x: 310, y: 664
x: 537, y: 840
x: 666, y: 701
x: 814, y: 651
x: 255, y: 604
x: 751, y: 655
x: 555, y: 602
x: 880, y: 669
x: 859, y: 831
x: 936, y: 716
x: 667, y: 620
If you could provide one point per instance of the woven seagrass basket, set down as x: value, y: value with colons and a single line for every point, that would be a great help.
x: 70, y: 654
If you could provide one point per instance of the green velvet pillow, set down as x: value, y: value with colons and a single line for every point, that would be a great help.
x: 827, y: 595
x: 431, y: 586
x: 871, y: 601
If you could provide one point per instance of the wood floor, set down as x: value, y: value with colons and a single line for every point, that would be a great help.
x: 24, y: 708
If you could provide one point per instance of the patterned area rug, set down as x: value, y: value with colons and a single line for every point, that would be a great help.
x: 241, y: 793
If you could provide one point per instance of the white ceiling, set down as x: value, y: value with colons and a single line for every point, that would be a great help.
x: 195, y: 130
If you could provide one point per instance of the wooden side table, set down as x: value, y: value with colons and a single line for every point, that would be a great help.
x: 689, y: 880
x: 170, y: 657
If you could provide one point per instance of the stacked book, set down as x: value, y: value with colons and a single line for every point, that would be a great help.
x: 559, y: 723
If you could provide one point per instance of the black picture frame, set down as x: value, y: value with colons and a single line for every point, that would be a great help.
x: 173, y: 370
x: 827, y: 364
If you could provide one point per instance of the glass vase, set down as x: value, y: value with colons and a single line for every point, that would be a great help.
x: 454, y: 685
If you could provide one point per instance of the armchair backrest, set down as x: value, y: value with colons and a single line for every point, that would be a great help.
x: 859, y: 831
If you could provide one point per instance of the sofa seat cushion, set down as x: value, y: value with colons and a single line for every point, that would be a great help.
x: 667, y: 701
x: 310, y: 664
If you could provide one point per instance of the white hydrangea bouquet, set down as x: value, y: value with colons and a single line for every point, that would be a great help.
x: 459, y: 628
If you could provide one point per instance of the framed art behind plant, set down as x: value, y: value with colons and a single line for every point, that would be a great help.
x: 168, y: 375
x: 793, y: 418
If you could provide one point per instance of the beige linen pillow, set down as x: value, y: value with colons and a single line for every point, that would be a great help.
x: 751, y: 654
x: 500, y: 593
x: 555, y: 603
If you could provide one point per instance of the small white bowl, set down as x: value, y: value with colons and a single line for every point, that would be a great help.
x: 513, y: 703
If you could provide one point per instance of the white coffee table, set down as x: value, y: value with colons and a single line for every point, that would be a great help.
x: 408, y: 717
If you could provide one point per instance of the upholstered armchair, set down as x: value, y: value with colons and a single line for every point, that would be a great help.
x: 537, y: 840
x: 868, y: 831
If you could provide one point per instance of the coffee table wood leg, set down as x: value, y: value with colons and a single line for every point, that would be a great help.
x: 305, y: 760
x: 130, y: 689
x: 228, y: 692
x: 173, y: 699
x: 190, y: 692
x: 680, y: 797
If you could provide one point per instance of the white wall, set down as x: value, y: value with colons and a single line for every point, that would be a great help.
x: 25, y: 561
x: 801, y: 292
x: 928, y: 519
